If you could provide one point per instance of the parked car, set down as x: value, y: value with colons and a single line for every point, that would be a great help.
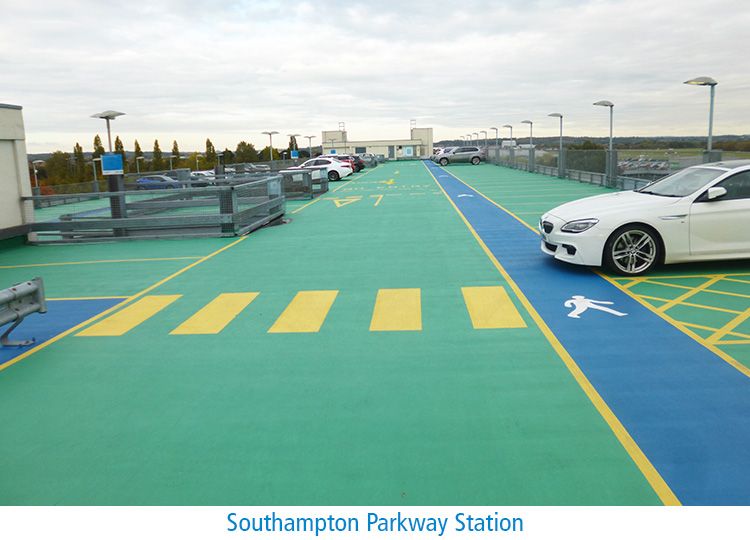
x: 440, y: 151
x: 157, y: 181
x: 697, y: 214
x: 461, y: 154
x: 335, y: 170
x: 358, y: 162
x: 346, y: 158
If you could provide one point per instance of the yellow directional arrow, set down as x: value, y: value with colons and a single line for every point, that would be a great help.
x: 390, y: 181
x: 348, y: 200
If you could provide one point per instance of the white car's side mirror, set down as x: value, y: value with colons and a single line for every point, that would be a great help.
x: 715, y: 193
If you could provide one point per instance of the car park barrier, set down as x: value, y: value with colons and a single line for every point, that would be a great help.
x: 16, y: 303
x: 229, y: 208
x: 304, y: 184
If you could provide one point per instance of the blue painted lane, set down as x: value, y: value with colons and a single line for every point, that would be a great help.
x: 688, y: 410
x: 61, y: 315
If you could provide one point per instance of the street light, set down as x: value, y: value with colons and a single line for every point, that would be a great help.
x: 531, y: 131
x: 333, y: 148
x: 485, y: 139
x: 477, y: 134
x: 309, y: 143
x: 137, y: 165
x: 707, y: 81
x: 108, y: 115
x: 497, y: 136
x: 171, y: 157
x: 33, y: 166
x: 605, y: 103
x: 560, y: 155
x: 270, y: 138
x: 511, y: 133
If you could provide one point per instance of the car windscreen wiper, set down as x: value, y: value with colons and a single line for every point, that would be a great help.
x: 649, y: 192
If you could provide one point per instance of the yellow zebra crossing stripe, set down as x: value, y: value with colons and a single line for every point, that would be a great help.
x: 305, y: 313
x: 397, y: 310
x: 216, y: 315
x: 131, y: 316
x: 491, y: 307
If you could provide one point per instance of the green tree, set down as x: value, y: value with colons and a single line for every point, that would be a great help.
x: 157, y: 164
x: 175, y: 155
x: 80, y: 162
x: 265, y: 153
x: 137, y: 152
x: 120, y: 149
x: 210, y: 153
x: 228, y: 156
x: 98, y: 147
x: 245, y: 153
x: 58, y: 168
x: 292, y: 144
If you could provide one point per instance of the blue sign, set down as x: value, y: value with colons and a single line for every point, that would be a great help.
x: 295, y: 154
x: 333, y: 151
x: 112, y: 164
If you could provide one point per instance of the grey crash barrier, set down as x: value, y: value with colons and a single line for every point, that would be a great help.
x: 16, y: 303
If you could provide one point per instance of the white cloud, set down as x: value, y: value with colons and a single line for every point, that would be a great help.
x: 188, y: 70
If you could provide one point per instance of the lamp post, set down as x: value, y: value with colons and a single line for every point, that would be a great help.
x: 560, y: 164
x: 531, y: 131
x: 137, y: 165
x: 511, y: 150
x: 610, y: 164
x: 108, y: 115
x: 707, y: 81
x: 309, y: 143
x: 96, y: 180
x: 33, y: 166
x: 333, y: 148
x: 497, y: 136
x: 485, y: 138
x: 171, y: 157
x: 270, y: 143
x: 295, y: 135
x: 477, y: 134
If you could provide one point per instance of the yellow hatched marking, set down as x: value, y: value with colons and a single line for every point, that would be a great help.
x: 216, y: 315
x: 305, y: 313
x: 348, y: 200
x: 738, y: 280
x: 731, y: 325
x: 693, y: 291
x: 131, y: 316
x: 379, y: 198
x: 734, y: 342
x: 491, y: 307
x: 397, y: 310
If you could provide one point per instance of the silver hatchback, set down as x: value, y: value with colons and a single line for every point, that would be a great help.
x: 461, y: 154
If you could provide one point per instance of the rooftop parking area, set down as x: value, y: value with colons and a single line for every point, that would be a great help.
x: 401, y: 340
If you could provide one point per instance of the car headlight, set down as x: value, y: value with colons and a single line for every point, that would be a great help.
x: 579, y: 225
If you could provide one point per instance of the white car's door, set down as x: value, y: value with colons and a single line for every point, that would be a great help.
x: 721, y: 226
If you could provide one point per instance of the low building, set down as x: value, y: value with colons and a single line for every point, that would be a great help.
x: 417, y: 146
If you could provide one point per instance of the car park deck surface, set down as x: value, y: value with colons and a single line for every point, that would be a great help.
x: 399, y: 341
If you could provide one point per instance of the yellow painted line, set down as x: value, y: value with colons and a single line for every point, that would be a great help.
x: 349, y: 182
x: 131, y: 316
x: 734, y: 342
x: 109, y: 261
x: 379, y: 198
x: 710, y: 329
x: 660, y: 487
x: 731, y: 325
x: 87, y: 298
x: 689, y: 304
x: 347, y: 200
x: 216, y: 315
x: 737, y: 280
x: 305, y: 313
x: 491, y: 307
x: 397, y: 310
x: 688, y: 294
x: 114, y: 308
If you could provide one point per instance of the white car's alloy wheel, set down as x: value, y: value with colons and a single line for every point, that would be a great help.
x: 632, y: 251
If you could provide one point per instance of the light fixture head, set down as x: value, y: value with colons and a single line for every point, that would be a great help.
x: 107, y: 115
x: 604, y: 103
x: 270, y: 133
x: 702, y: 81
x: 526, y: 122
x: 508, y: 126
x: 555, y: 114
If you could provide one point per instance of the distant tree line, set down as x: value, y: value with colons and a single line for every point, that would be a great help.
x: 73, y: 167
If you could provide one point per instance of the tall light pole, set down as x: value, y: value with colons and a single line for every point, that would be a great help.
x: 485, y: 138
x: 309, y: 144
x: 333, y: 147
x: 707, y: 81
x: 531, y: 131
x: 33, y: 166
x: 108, y: 115
x: 477, y: 134
x: 93, y: 166
x: 560, y: 165
x: 610, y: 164
x: 138, y: 165
x: 171, y: 157
x: 497, y: 136
x: 270, y: 139
x: 511, y: 133
x: 295, y: 135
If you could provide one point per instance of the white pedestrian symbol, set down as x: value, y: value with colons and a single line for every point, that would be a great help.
x: 581, y: 304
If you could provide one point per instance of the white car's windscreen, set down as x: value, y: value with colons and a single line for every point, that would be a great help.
x: 683, y: 183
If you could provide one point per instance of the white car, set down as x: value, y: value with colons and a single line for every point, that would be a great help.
x: 697, y: 214
x: 334, y: 168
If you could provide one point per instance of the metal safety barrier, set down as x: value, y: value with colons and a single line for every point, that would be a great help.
x: 16, y: 303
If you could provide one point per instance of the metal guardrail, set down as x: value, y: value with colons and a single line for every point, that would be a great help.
x: 245, y: 204
x: 16, y: 303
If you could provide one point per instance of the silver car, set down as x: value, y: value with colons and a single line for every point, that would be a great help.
x: 461, y: 154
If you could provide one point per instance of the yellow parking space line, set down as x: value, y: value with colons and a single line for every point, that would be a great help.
x: 491, y: 307
x: 693, y: 291
x: 131, y: 316
x: 216, y: 315
x: 731, y: 325
x: 735, y: 280
x: 397, y: 310
x: 305, y: 313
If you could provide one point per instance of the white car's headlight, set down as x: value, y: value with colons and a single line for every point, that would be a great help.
x: 579, y: 225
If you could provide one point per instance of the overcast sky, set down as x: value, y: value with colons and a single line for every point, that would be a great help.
x: 228, y: 70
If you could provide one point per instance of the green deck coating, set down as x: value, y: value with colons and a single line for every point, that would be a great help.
x: 449, y: 415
